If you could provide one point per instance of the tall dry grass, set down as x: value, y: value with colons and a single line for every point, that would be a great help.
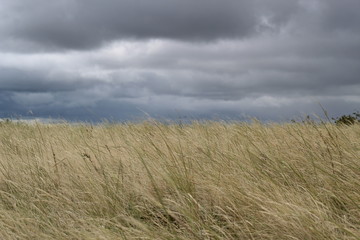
x: 198, y: 181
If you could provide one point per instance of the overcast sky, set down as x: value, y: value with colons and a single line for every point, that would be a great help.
x: 217, y: 59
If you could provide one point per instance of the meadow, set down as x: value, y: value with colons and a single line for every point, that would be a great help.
x: 204, y: 180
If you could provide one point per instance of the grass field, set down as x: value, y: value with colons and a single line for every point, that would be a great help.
x: 198, y: 181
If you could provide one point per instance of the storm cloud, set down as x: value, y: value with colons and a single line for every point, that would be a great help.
x: 272, y: 59
x: 78, y: 24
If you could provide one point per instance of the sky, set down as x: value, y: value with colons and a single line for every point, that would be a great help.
x: 123, y: 60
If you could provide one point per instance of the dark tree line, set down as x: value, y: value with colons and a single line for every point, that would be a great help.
x: 348, y: 119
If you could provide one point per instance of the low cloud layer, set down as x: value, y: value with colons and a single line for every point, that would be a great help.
x: 88, y: 60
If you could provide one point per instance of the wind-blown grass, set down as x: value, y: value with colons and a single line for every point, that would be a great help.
x: 198, y: 181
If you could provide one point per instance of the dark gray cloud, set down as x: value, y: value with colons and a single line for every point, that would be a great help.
x: 79, y: 24
x: 273, y: 59
x: 341, y: 15
x: 21, y: 80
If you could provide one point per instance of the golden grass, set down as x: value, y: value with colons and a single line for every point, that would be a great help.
x: 198, y: 181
